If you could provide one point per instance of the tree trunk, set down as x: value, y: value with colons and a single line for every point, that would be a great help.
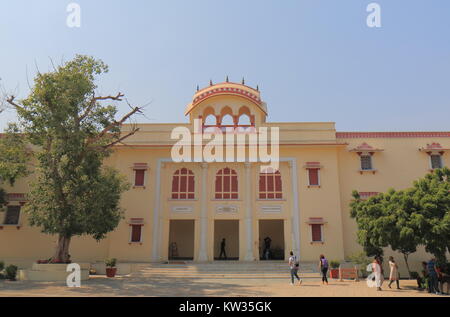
x: 61, y: 254
x: 405, y: 256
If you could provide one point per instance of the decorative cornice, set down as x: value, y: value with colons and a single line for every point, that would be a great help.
x: 433, y: 147
x: 364, y: 147
x: 361, y: 135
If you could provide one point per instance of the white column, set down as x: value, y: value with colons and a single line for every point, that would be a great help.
x: 295, y: 215
x: 249, y: 214
x: 203, y: 254
x: 156, y: 224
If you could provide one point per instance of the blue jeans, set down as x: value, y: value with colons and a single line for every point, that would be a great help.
x: 294, y: 273
x: 433, y: 283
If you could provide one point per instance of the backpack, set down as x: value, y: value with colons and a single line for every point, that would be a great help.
x: 369, y: 268
x: 296, y: 262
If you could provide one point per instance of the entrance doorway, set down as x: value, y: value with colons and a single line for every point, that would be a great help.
x: 271, y: 239
x: 181, y: 239
x: 228, y: 230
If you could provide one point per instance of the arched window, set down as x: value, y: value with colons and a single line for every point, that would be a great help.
x: 244, y: 120
x: 227, y: 120
x: 183, y: 184
x: 210, y: 120
x: 226, y: 184
x: 270, y: 185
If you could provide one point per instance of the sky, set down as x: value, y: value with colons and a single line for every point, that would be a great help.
x: 314, y: 60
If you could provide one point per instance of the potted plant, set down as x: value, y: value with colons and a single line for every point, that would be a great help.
x: 334, y: 271
x: 11, y: 272
x: 111, y: 267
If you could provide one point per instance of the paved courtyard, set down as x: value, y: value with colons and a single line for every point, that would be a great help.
x: 194, y: 281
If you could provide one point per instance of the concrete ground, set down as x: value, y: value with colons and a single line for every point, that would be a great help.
x: 184, y: 282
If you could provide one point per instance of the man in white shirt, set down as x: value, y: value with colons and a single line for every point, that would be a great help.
x: 294, y: 266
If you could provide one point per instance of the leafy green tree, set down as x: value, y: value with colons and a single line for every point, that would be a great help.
x: 72, y: 131
x: 430, y: 197
x: 14, y: 157
x: 385, y: 220
x: 406, y: 219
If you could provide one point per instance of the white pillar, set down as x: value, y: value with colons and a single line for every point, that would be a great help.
x: 203, y: 254
x: 295, y: 214
x: 156, y: 224
x: 249, y: 215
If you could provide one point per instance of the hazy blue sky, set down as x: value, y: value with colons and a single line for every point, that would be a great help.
x: 313, y: 60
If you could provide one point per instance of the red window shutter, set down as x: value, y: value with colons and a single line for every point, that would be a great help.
x: 316, y: 232
x: 136, y: 233
x: 262, y: 183
x: 313, y: 176
x: 278, y: 187
x: 270, y: 183
x: 183, y: 183
x: 218, y: 184
x: 226, y: 183
x: 191, y: 184
x: 234, y: 183
x: 139, y: 178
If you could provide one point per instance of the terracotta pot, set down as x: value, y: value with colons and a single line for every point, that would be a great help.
x: 334, y: 273
x: 111, y: 271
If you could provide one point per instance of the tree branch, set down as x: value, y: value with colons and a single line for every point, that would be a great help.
x: 93, y: 101
x: 122, y: 138
x: 10, y: 100
x: 113, y: 125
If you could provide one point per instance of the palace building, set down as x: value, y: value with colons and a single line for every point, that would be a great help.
x: 183, y: 210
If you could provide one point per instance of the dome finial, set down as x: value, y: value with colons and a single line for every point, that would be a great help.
x: 243, y: 81
x: 257, y: 87
x: 226, y: 79
x: 210, y: 82
x: 198, y: 88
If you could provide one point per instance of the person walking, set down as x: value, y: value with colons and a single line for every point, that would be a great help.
x: 222, y: 249
x: 323, y: 266
x: 433, y: 286
x: 393, y: 274
x: 267, y: 242
x: 294, y: 266
x: 378, y: 272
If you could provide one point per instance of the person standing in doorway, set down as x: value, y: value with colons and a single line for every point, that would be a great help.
x: 294, y: 265
x: 222, y: 249
x: 393, y: 275
x: 323, y: 266
x: 267, y: 242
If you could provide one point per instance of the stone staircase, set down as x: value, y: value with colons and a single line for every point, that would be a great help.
x: 225, y: 270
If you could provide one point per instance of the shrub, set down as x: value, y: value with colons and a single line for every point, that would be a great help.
x: 335, y: 264
x: 414, y: 275
x: 361, y: 260
x: 2, y: 265
x: 11, y: 272
x: 111, y: 262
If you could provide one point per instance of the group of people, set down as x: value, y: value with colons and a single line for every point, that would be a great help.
x: 294, y: 266
x: 378, y: 272
x: 433, y: 277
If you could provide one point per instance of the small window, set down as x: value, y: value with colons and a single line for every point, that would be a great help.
x: 270, y: 186
x: 226, y: 184
x: 12, y: 215
x: 136, y: 233
x: 313, y: 174
x: 316, y: 231
x: 139, y: 177
x: 436, y: 161
x: 366, y: 162
x: 183, y: 184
